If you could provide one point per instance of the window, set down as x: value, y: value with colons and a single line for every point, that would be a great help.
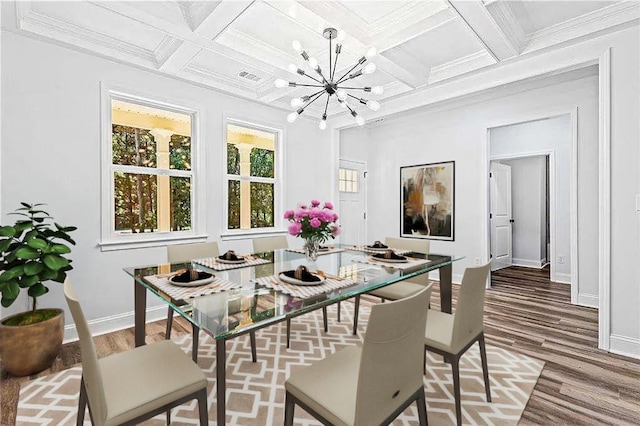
x: 149, y: 171
x: 348, y: 180
x: 252, y: 181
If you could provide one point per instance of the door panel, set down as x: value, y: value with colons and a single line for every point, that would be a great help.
x: 352, y: 187
x: 501, y: 225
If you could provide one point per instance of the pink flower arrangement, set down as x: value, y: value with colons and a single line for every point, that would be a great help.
x: 313, y: 221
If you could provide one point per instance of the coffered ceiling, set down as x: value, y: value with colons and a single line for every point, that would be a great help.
x: 242, y: 46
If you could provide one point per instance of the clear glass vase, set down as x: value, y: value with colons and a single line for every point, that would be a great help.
x: 311, y: 247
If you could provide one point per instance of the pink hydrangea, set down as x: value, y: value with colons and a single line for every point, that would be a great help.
x: 315, y: 222
x: 335, y: 231
x: 328, y: 205
x: 295, y: 228
x: 315, y: 203
x: 288, y: 214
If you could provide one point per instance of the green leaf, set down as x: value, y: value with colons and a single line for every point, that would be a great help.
x: 33, y: 268
x: 60, y: 249
x: 69, y: 228
x: 7, y: 231
x: 11, y: 290
x: 38, y: 290
x: 54, y: 261
x: 37, y: 243
x: 27, y: 253
x: 28, y: 281
x: 62, y: 275
x: 8, y: 275
x: 28, y: 206
x: 7, y: 301
x: 47, y: 274
x: 4, y: 245
x: 23, y: 226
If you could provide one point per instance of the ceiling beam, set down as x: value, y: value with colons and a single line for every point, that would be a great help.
x: 480, y: 23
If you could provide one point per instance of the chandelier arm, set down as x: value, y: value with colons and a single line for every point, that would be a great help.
x: 350, y: 77
x: 356, y: 88
x: 313, y: 100
x: 326, y: 106
x: 355, y: 97
x: 309, y: 85
x: 311, y: 77
x: 347, y: 73
x: 330, y: 49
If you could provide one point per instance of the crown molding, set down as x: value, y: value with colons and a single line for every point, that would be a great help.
x: 211, y: 78
x: 460, y: 66
x: 598, y: 20
x: 508, y: 24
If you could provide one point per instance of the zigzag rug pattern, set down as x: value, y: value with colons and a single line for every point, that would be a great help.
x: 255, y: 392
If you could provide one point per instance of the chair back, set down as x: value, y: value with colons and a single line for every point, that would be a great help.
x: 468, y: 317
x: 90, y: 369
x: 392, y: 357
x: 186, y: 252
x: 260, y: 245
x: 415, y: 244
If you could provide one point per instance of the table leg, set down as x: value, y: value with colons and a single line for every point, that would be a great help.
x: 445, y: 288
x: 140, y: 313
x: 221, y: 380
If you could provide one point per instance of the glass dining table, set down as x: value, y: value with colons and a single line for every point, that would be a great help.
x: 245, y: 297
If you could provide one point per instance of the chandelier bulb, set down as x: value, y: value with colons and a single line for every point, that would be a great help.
x: 313, y: 63
x: 280, y: 83
x: 323, y: 123
x: 370, y: 68
x: 371, y: 52
x: 373, y: 105
x: 342, y: 94
x: 297, y: 46
x: 343, y: 104
x: 359, y: 120
x: 296, y: 102
x: 293, y: 68
x: 377, y: 90
x: 341, y: 36
x: 292, y: 117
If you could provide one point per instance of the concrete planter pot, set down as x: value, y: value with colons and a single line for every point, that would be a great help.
x: 29, y: 349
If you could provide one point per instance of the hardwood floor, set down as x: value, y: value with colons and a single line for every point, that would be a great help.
x: 525, y: 312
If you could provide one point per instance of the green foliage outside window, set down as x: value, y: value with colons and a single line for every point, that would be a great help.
x: 233, y: 159
x: 261, y: 162
x: 234, y: 204
x: 261, y: 205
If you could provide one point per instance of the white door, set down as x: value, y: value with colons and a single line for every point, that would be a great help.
x: 500, y: 216
x: 352, y: 211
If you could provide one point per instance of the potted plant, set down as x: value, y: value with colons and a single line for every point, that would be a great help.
x: 32, y: 252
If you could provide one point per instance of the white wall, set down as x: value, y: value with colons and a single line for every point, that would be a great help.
x: 438, y: 135
x: 528, y: 210
x: 51, y: 154
x: 554, y: 135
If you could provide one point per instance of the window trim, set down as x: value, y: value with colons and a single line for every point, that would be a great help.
x: 109, y: 239
x: 278, y: 181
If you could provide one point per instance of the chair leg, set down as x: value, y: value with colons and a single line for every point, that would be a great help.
x: 169, y: 417
x: 339, y: 310
x: 455, y: 367
x: 324, y: 319
x: 195, y: 332
x: 252, y: 338
x: 203, y: 407
x: 421, y: 401
x: 289, y: 407
x: 167, y: 333
x: 424, y: 362
x: 485, y: 368
x: 288, y: 332
x: 356, y: 310
x: 82, y: 403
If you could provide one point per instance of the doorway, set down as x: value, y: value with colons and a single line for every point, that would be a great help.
x: 353, y: 210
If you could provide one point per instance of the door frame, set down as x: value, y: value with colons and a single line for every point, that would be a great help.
x: 552, y: 206
x: 361, y: 184
x: 573, y: 191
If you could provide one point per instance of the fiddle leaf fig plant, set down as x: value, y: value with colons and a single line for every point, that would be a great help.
x: 32, y: 252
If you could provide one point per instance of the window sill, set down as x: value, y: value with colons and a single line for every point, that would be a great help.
x: 154, y: 241
x: 250, y: 233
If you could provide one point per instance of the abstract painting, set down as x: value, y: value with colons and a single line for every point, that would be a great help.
x: 427, y: 192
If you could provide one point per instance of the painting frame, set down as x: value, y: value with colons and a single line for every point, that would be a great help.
x: 427, y: 201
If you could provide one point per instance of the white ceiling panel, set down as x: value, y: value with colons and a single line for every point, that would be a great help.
x: 91, y: 17
x: 371, y: 12
x: 536, y: 15
x: 229, y: 68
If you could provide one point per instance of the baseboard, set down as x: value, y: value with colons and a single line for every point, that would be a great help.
x: 588, y: 300
x: 622, y: 345
x: 562, y: 278
x: 114, y: 323
x: 527, y: 263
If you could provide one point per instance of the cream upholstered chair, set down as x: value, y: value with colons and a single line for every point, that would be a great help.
x: 264, y: 244
x: 372, y: 384
x: 186, y: 253
x: 403, y: 288
x: 129, y: 387
x: 450, y: 335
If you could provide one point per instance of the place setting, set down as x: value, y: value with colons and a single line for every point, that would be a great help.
x: 230, y: 260
x: 189, y: 282
x: 390, y: 258
x: 302, y: 282
x: 379, y: 248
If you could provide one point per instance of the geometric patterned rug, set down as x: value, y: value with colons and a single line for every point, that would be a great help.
x: 255, y: 391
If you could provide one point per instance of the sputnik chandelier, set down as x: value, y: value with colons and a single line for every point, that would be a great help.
x: 332, y: 85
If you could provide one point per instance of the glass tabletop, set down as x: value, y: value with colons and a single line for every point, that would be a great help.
x: 260, y: 298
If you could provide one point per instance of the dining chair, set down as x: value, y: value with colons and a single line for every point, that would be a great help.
x: 450, y: 335
x: 403, y: 288
x: 185, y: 253
x: 264, y: 244
x: 129, y: 387
x: 371, y: 384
